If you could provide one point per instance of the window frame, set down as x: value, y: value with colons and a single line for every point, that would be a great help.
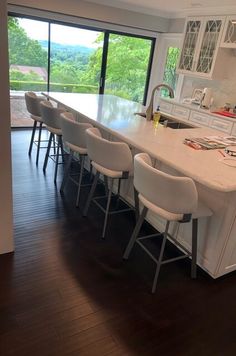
x: 105, y: 46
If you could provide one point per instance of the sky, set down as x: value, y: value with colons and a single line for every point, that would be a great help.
x: 38, y: 30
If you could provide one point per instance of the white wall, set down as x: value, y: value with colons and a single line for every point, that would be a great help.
x: 6, y: 223
x: 97, y: 12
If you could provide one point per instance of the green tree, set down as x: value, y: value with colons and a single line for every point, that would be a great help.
x: 126, y: 66
x: 22, y: 49
x: 170, y: 75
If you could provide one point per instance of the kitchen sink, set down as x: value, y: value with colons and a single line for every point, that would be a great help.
x: 173, y: 124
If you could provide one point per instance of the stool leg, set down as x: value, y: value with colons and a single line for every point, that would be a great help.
x: 154, y: 285
x: 32, y: 137
x: 106, y: 185
x: 135, y: 233
x: 62, y: 150
x: 194, y: 248
x: 59, y: 143
x: 80, y: 178
x: 90, y: 171
x: 118, y: 190
x: 66, y: 172
x: 47, y: 153
x: 91, y: 194
x: 136, y: 204
x: 39, y: 142
x: 107, y: 209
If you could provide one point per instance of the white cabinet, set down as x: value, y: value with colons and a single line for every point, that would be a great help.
x: 181, y: 112
x: 201, y: 47
x: 200, y: 118
x: 166, y: 107
x: 229, y: 33
x: 222, y: 125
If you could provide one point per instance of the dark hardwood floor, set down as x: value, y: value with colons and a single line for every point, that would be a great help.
x: 66, y: 292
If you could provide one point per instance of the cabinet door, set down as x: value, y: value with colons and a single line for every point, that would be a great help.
x: 229, y: 34
x: 209, y: 45
x: 192, y: 31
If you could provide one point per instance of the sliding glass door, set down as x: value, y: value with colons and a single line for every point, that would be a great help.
x: 28, y: 64
x: 127, y: 66
x: 75, y: 59
x: 45, y: 55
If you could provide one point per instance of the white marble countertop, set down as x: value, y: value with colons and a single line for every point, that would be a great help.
x: 116, y: 115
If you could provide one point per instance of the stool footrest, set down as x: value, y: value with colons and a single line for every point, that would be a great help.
x: 163, y: 261
x: 110, y: 212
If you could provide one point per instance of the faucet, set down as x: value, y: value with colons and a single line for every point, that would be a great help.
x: 149, y: 111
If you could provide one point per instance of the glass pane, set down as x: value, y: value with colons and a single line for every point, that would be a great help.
x: 208, y: 47
x: 170, y: 76
x: 76, y: 56
x: 230, y: 36
x: 189, y: 46
x: 127, y: 65
x: 28, y: 60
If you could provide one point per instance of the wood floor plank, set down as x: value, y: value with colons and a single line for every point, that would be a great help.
x: 66, y: 292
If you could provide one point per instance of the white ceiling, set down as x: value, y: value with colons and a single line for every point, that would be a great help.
x: 173, y: 8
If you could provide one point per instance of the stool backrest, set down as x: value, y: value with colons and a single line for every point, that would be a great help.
x: 73, y: 132
x: 111, y: 155
x: 33, y: 103
x: 50, y: 114
x: 174, y: 194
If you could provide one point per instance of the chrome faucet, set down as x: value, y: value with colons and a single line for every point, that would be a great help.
x: 149, y: 111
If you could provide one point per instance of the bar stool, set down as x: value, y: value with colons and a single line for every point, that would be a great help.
x: 173, y: 199
x: 111, y: 159
x: 52, y: 120
x: 33, y: 106
x: 74, y: 137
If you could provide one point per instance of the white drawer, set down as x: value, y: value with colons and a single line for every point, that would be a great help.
x: 222, y: 125
x: 180, y: 112
x: 166, y: 107
x: 200, y: 118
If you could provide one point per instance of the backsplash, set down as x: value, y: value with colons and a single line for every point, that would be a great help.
x: 224, y: 91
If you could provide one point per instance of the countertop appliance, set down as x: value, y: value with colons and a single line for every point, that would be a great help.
x: 206, y: 99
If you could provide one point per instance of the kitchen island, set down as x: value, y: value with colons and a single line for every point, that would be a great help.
x: 215, y: 181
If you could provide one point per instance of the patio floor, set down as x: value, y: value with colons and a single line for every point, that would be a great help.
x: 19, y: 114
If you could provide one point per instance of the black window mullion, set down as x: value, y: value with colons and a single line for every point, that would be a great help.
x: 149, y: 71
x: 49, y: 55
x: 104, y: 62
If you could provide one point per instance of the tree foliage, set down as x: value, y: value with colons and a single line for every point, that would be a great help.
x: 22, y: 49
x: 170, y: 74
x: 78, y: 66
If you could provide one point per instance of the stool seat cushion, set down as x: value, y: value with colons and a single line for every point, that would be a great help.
x: 37, y: 118
x: 107, y: 172
x: 202, y: 210
x: 159, y: 211
x: 75, y: 148
x: 54, y: 130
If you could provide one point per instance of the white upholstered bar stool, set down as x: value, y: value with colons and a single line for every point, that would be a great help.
x: 111, y: 159
x: 51, y: 118
x: 73, y: 134
x: 33, y: 106
x: 173, y: 199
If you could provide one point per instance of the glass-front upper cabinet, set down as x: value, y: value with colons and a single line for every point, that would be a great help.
x: 189, y: 45
x: 229, y: 34
x: 200, y: 46
x: 210, y: 39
